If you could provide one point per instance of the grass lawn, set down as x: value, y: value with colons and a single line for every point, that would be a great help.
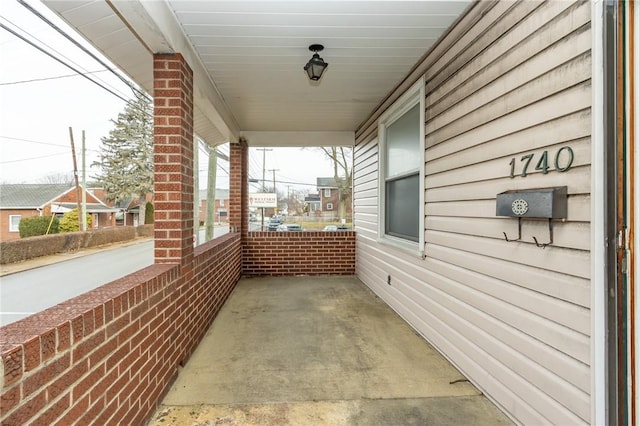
x: 310, y: 226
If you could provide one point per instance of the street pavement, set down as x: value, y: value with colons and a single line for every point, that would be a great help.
x: 34, y: 285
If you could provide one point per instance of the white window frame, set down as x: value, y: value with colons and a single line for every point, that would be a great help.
x: 17, y: 227
x: 329, y: 206
x: 414, y: 95
x: 327, y: 192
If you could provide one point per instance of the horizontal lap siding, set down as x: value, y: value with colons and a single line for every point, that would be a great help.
x: 515, y: 318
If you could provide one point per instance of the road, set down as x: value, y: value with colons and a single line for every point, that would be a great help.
x: 28, y: 292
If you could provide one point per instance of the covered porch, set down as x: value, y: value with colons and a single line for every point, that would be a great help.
x: 496, y: 97
x: 318, y: 350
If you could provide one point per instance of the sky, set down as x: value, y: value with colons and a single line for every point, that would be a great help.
x: 40, y: 99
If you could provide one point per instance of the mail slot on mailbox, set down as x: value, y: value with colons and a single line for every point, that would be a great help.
x: 541, y: 203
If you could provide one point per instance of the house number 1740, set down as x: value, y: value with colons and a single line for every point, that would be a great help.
x: 561, y: 162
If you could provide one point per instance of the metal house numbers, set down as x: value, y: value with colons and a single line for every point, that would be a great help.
x: 540, y: 203
x: 562, y: 161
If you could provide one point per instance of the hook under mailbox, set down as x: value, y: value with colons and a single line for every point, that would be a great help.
x: 541, y: 203
x: 519, y: 232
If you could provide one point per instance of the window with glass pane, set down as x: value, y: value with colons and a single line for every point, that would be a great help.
x: 14, y: 223
x: 402, y: 176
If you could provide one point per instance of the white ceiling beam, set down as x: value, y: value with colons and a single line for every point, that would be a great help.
x: 155, y: 25
x: 302, y: 139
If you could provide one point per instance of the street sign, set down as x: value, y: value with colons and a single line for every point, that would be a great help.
x: 263, y: 200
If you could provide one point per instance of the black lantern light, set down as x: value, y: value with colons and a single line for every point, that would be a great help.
x: 316, y: 65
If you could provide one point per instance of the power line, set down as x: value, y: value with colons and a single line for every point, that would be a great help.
x: 220, y: 167
x: 284, y: 181
x: 34, y: 80
x: 59, y: 54
x: 81, y: 47
x: 41, y: 143
x: 33, y: 158
x: 83, y: 74
x: 3, y: 26
x: 32, y: 141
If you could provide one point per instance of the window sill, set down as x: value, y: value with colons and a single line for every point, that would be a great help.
x: 408, y: 247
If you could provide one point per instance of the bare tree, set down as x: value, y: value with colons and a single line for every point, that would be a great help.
x: 295, y: 201
x: 342, y: 173
x: 57, y: 177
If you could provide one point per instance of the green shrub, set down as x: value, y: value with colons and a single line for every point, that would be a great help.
x: 69, y: 221
x: 148, y: 213
x: 38, y: 225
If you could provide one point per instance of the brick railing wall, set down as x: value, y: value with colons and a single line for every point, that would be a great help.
x: 109, y: 355
x: 299, y: 253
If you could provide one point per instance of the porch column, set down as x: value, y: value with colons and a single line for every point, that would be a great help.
x: 239, y: 188
x: 173, y: 159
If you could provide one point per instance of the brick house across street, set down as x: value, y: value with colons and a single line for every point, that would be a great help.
x: 220, y: 212
x: 329, y: 192
x: 18, y: 201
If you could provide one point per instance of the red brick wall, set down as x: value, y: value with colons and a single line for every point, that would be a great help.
x: 173, y: 159
x: 299, y: 253
x: 5, y: 235
x: 239, y: 187
x: 108, y: 356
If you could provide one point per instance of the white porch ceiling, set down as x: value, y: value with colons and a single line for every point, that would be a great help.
x: 248, y: 56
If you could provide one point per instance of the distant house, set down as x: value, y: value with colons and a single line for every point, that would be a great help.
x: 18, y: 201
x: 329, y: 193
x: 312, y: 204
x: 220, y: 213
x: 128, y: 209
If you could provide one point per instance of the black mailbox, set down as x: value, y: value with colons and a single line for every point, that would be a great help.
x: 540, y: 203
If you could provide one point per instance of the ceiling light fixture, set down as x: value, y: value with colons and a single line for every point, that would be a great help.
x: 316, y: 65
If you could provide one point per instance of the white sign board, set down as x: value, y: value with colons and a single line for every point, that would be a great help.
x: 263, y: 200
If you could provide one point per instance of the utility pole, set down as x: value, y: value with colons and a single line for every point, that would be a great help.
x: 196, y: 192
x: 274, y: 188
x: 264, y: 157
x: 75, y: 175
x: 84, y: 184
x: 211, y: 193
x: 274, y: 178
x: 264, y: 168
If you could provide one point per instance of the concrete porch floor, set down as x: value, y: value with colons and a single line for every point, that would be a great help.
x: 318, y: 351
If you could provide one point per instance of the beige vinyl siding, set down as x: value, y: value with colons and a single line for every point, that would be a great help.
x: 515, y: 318
x: 365, y: 190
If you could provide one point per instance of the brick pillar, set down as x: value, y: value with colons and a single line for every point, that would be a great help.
x: 173, y: 159
x: 239, y: 188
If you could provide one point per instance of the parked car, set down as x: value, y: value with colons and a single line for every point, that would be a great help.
x: 336, y: 228
x: 289, y: 227
x: 273, y: 224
